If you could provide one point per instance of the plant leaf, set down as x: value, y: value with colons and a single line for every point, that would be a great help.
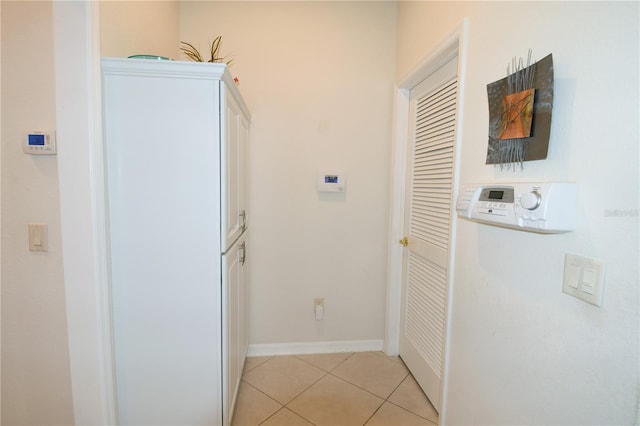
x: 191, y: 52
x: 215, y: 49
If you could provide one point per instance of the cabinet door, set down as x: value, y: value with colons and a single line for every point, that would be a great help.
x: 234, y: 324
x: 234, y: 141
x: 243, y: 304
x: 243, y: 128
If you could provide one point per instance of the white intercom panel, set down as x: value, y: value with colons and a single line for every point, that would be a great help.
x: 545, y: 207
x: 331, y: 182
x: 39, y: 143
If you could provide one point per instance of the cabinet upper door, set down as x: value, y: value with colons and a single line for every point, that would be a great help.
x: 235, y: 136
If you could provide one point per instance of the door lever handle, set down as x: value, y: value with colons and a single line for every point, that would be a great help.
x: 243, y: 216
x: 404, y: 241
x: 243, y: 253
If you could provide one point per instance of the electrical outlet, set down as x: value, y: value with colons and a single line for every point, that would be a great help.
x: 318, y: 308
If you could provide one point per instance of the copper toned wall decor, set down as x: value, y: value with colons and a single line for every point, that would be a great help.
x: 520, y: 113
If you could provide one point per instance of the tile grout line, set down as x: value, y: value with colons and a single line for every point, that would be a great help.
x: 245, y: 370
x: 324, y: 375
x: 409, y: 411
x: 361, y: 388
x: 262, y: 392
x: 284, y: 407
x: 303, y: 391
x: 312, y: 364
x: 401, y: 407
x: 373, y: 414
x: 392, y: 403
x: 296, y: 396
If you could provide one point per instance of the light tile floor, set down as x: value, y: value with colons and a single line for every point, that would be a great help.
x: 362, y: 388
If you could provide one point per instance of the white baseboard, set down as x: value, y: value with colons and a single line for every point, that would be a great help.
x: 301, y: 348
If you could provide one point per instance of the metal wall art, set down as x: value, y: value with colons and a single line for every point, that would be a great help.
x: 520, y: 113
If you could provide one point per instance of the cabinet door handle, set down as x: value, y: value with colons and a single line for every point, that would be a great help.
x: 243, y: 216
x: 243, y: 253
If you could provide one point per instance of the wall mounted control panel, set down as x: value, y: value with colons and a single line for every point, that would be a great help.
x: 331, y: 182
x: 545, y: 207
x: 39, y: 143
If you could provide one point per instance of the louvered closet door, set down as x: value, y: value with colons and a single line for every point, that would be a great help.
x: 427, y: 225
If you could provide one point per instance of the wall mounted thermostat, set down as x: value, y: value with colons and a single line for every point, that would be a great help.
x: 39, y: 143
x: 331, y: 182
x: 547, y: 207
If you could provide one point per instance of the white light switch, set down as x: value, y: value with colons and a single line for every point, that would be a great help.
x: 588, y: 277
x: 572, y: 274
x: 584, y: 278
x: 38, y: 237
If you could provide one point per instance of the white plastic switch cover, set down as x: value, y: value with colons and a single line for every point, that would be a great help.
x: 572, y: 274
x: 584, y: 278
x: 588, y: 278
x: 38, y: 237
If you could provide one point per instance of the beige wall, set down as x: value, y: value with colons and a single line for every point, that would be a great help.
x: 36, y: 385
x: 522, y: 352
x: 318, y: 78
x: 139, y: 28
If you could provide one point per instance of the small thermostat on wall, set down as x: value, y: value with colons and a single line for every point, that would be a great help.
x: 331, y: 182
x: 39, y: 143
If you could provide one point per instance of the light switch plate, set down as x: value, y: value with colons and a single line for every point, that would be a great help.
x: 584, y: 278
x: 38, y: 237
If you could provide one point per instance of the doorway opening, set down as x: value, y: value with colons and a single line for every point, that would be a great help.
x: 421, y: 183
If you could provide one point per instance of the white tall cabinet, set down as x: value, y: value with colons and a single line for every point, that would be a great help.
x: 176, y: 136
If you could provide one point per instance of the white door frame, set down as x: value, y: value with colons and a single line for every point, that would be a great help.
x: 76, y: 29
x: 452, y: 45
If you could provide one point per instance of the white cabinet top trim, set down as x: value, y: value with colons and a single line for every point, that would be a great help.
x: 175, y: 69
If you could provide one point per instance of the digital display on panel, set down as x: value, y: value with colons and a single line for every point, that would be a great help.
x: 496, y: 195
x: 330, y: 179
x: 36, y: 140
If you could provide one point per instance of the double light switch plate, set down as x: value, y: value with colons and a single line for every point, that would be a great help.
x: 584, y: 278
